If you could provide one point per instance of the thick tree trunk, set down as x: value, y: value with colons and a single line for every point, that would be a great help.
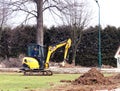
x: 40, y: 33
x: 74, y: 48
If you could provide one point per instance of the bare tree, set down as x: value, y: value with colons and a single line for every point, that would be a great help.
x: 4, y: 12
x: 38, y: 7
x: 76, y: 15
x: 32, y: 9
x: 35, y: 12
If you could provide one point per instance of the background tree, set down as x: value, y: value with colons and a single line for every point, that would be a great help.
x: 4, y: 14
x: 77, y: 16
x: 110, y: 43
x: 32, y: 9
x: 4, y: 42
x: 14, y: 42
x: 35, y: 9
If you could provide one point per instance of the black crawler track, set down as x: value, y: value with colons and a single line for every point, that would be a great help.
x: 37, y: 72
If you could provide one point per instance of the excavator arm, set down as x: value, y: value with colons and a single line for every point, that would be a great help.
x: 51, y: 49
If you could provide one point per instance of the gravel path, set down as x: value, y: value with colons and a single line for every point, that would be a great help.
x: 72, y: 70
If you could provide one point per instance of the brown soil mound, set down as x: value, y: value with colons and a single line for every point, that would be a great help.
x: 93, y: 80
x: 117, y: 76
x: 92, y: 77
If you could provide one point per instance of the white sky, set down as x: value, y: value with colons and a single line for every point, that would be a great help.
x: 110, y: 14
x: 109, y: 10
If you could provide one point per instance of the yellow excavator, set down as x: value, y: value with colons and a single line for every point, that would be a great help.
x: 40, y: 65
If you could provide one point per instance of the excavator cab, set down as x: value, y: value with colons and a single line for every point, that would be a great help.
x: 41, y: 51
x: 34, y: 62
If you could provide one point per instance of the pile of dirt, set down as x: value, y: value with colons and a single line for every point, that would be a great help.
x: 92, y: 77
x: 93, y: 80
x: 117, y: 76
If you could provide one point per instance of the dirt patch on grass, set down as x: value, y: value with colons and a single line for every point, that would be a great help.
x: 92, y: 80
x: 117, y: 76
x: 92, y: 77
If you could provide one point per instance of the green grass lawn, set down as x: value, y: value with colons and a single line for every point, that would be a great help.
x: 18, y: 82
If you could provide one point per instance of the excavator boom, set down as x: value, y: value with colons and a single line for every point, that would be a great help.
x: 51, y: 49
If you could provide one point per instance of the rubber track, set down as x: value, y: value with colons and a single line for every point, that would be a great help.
x: 37, y: 73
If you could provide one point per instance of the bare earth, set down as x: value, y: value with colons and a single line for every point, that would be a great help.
x: 93, y: 80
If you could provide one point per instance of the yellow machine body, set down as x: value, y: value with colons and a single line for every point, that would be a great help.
x: 31, y: 62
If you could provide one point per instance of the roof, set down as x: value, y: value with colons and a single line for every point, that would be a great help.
x: 117, y: 53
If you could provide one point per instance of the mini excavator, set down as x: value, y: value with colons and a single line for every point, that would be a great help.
x: 40, y: 65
